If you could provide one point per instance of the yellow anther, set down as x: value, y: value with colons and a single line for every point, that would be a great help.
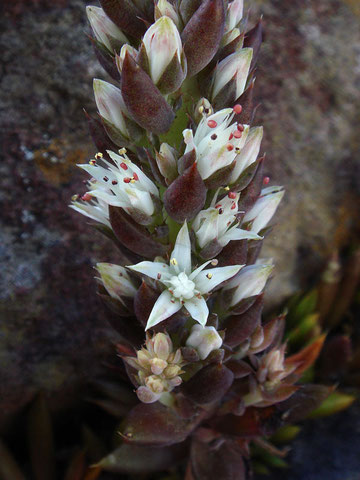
x: 132, y: 181
x: 173, y: 261
x: 214, y: 262
x: 92, y: 162
x: 227, y: 188
x: 122, y: 151
x: 201, y: 109
x: 99, y: 155
x: 75, y: 197
x: 209, y: 275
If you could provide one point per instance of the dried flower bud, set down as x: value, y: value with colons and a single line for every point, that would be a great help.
x: 204, y: 340
x: 105, y: 31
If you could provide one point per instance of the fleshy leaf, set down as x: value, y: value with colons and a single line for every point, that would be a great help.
x: 189, y: 186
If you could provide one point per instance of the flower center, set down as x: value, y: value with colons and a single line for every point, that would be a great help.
x: 181, y: 286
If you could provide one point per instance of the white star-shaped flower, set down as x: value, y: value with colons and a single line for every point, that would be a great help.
x: 219, y: 222
x: 184, y: 286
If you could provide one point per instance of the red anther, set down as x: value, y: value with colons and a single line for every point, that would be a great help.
x: 218, y: 205
x: 212, y: 124
x: 105, y: 179
x: 114, y: 182
x: 237, y: 109
x: 237, y: 134
x: 240, y: 127
x: 266, y: 180
x: 232, y: 195
x: 233, y: 206
x: 86, y: 197
x: 135, y: 177
x: 213, y: 136
x: 158, y: 276
x: 230, y: 147
x: 123, y: 166
x: 127, y: 180
x: 221, y: 211
x: 231, y: 136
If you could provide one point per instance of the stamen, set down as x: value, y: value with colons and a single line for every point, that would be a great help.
x: 86, y: 197
x: 229, y: 147
x: 221, y: 211
x: 106, y: 179
x: 209, y: 275
x: 266, y: 180
x: 201, y: 109
x: 218, y: 205
x: 135, y: 177
x: 114, y: 182
x: 75, y: 197
x: 232, y: 195
x: 123, y: 166
x: 237, y: 109
x: 226, y: 189
x: 231, y: 136
x: 158, y: 276
x: 240, y: 127
x: 122, y: 151
x: 99, y: 155
x: 237, y: 134
x: 173, y: 261
x: 214, y: 262
x: 92, y: 162
x: 233, y: 206
x: 127, y: 180
x: 212, y: 124
x: 213, y: 136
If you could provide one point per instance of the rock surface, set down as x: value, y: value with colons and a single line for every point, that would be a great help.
x: 53, y: 331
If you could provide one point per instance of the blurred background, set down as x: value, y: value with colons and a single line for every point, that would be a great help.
x: 54, y: 335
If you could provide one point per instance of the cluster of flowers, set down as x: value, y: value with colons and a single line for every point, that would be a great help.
x: 178, y: 183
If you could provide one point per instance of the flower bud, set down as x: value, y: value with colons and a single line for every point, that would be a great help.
x: 248, y: 154
x: 116, y: 280
x: 204, y: 340
x: 264, y: 208
x: 111, y: 105
x: 165, y: 57
x: 105, y: 31
x: 232, y: 72
x: 203, y: 108
x: 249, y: 282
x: 126, y: 15
x: 166, y: 162
x: 125, y: 49
x: 234, y: 14
x: 165, y: 8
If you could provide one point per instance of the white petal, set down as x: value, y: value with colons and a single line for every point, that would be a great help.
x: 217, y: 275
x: 151, y: 269
x: 140, y: 200
x: 249, y: 153
x: 198, y: 309
x: 182, y: 250
x: 164, y: 307
x: 264, y: 208
x: 116, y: 280
x: 238, y: 234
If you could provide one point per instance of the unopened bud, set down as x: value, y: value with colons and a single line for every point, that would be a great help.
x: 234, y: 68
x: 116, y: 280
x: 248, y: 154
x: 249, y: 282
x: 264, y: 208
x: 105, y: 31
x: 165, y: 8
x: 157, y: 366
x: 204, y: 340
x: 166, y: 162
x: 111, y: 105
x: 125, y: 49
x: 234, y: 14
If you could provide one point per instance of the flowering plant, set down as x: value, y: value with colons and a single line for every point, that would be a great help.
x: 178, y: 185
